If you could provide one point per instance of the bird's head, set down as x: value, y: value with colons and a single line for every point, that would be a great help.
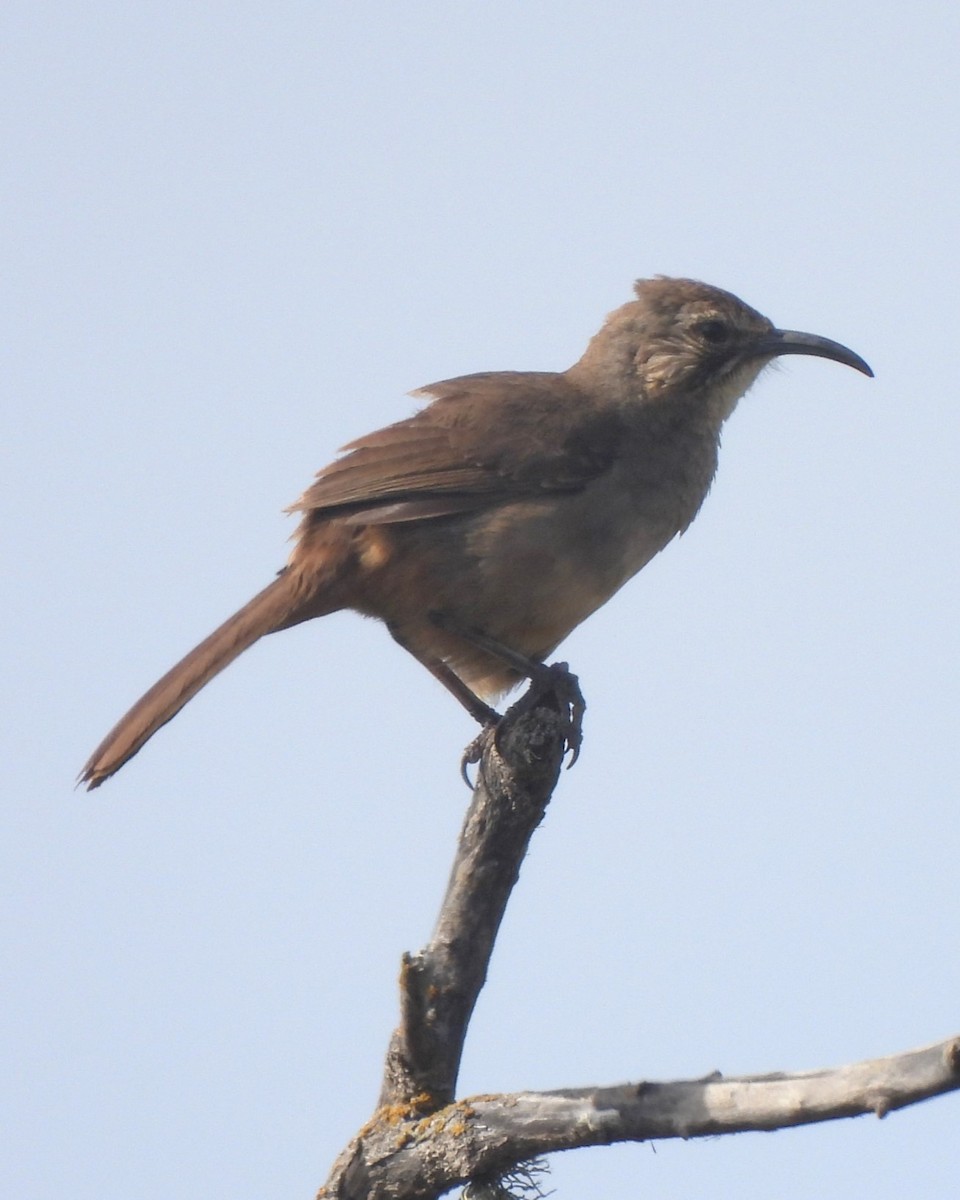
x: 685, y: 341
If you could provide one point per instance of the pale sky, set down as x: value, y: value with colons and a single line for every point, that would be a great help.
x: 235, y: 236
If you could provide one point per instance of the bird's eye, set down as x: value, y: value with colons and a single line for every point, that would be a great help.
x: 713, y: 331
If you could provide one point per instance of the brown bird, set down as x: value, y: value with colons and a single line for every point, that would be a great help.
x: 487, y: 526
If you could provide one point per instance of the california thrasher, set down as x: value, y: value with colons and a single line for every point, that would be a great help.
x: 487, y: 526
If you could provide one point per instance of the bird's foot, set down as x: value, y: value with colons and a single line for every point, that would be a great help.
x: 474, y: 751
x: 548, y: 681
x: 552, y: 686
x: 554, y: 681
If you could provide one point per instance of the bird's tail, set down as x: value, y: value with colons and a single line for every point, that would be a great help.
x: 267, y: 611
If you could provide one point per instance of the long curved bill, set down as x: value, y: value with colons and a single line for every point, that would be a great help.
x: 789, y: 341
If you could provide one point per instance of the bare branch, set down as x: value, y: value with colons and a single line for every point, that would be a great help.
x: 439, y: 986
x: 488, y: 1135
x: 421, y: 1142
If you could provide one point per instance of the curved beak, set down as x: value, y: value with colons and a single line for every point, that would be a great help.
x: 789, y: 341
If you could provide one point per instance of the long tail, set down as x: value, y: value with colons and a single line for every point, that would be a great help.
x: 267, y: 611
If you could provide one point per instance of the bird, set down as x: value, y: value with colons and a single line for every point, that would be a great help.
x: 485, y: 527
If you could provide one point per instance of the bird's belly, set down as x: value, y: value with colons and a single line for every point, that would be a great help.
x: 525, y: 574
x: 544, y: 569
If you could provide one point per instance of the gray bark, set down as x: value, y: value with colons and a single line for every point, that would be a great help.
x: 421, y: 1141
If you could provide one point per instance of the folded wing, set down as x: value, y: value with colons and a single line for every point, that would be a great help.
x: 485, y: 439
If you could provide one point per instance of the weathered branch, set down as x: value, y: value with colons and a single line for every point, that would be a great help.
x: 439, y: 986
x: 421, y: 1142
x: 487, y: 1135
x: 516, y: 775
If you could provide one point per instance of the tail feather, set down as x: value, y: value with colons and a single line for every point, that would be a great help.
x: 267, y: 611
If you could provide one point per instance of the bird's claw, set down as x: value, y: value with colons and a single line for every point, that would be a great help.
x: 554, y: 680
x: 561, y: 681
x: 473, y: 753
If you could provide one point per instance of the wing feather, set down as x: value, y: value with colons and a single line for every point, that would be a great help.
x: 484, y: 439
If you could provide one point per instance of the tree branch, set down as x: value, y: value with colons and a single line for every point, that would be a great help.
x: 517, y: 773
x: 487, y: 1135
x: 421, y: 1142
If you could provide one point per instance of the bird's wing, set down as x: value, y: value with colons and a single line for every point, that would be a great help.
x: 485, y: 439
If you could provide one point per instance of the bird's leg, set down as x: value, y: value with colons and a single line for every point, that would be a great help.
x: 482, y: 713
x: 546, y: 679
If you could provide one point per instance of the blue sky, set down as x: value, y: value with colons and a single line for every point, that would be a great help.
x: 235, y: 236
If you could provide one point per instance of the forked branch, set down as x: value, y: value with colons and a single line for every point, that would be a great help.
x: 487, y: 1135
x: 421, y: 1141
